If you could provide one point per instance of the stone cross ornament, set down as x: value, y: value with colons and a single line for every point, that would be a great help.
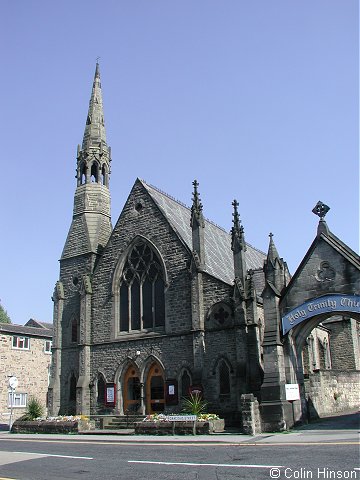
x: 320, y: 209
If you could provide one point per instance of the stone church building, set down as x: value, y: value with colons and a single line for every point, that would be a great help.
x: 167, y: 302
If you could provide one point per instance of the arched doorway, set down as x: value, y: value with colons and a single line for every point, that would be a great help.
x: 132, y: 390
x: 155, y: 389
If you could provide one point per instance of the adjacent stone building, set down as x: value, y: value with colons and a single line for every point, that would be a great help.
x: 167, y: 302
x: 25, y: 352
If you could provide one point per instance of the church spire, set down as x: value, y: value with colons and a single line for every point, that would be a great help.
x: 94, y: 134
x: 91, y: 225
x: 94, y: 157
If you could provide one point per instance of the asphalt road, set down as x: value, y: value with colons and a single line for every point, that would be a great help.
x: 316, y: 453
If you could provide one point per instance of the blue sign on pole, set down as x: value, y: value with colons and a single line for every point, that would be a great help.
x: 317, y: 306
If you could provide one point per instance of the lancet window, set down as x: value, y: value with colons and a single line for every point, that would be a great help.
x: 142, y: 300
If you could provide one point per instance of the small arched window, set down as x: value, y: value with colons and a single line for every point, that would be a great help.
x: 224, y: 378
x: 94, y: 173
x: 104, y: 176
x: 101, y: 390
x: 74, y: 330
x: 83, y: 171
x: 72, y: 389
x: 142, y: 298
x: 185, y: 384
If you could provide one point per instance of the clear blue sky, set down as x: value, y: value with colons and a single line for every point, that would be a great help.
x: 258, y: 100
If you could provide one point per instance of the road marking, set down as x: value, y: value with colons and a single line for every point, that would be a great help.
x: 53, y: 455
x: 138, y: 443
x: 190, y: 464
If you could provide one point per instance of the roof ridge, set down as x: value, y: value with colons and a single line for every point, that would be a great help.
x: 182, y: 204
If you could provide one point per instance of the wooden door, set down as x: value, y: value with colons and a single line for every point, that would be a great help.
x: 132, y: 390
x: 155, y: 390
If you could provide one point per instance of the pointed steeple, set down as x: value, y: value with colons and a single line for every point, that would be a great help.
x: 274, y: 266
x: 94, y: 134
x: 197, y: 224
x: 94, y: 157
x: 272, y: 255
x: 91, y: 225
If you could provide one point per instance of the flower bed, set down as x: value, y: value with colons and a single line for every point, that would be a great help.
x: 204, y: 424
x: 62, y: 424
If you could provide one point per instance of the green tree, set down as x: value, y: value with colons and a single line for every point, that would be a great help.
x: 4, y: 317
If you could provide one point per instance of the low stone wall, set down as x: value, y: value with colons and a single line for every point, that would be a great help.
x: 179, y: 428
x: 34, y: 426
x: 331, y: 391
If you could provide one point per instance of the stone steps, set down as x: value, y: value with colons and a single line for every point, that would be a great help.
x: 123, y: 422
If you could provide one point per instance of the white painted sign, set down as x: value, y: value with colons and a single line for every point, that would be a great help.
x: 13, y: 382
x: 181, y: 418
x: 292, y: 392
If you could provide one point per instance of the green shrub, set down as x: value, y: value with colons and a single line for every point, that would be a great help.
x: 194, y: 404
x: 34, y: 409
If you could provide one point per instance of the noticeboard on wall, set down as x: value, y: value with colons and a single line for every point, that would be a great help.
x: 110, y: 391
x: 171, y: 392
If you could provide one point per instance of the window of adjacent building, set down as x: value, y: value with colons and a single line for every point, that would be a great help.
x: 48, y: 346
x: 17, y: 400
x: 142, y: 300
x: 22, y: 343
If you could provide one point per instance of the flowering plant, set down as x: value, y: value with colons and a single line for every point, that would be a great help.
x: 204, y: 417
x: 62, y: 418
x: 160, y: 417
x: 155, y: 417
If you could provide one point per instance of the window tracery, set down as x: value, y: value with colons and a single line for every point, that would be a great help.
x: 142, y: 301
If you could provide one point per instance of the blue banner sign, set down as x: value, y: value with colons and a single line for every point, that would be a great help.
x: 318, y: 306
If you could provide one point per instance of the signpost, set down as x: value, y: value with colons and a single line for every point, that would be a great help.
x: 292, y: 393
x: 13, y: 383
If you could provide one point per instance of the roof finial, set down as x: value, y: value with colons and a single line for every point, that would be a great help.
x: 197, y: 206
x: 320, y: 209
x: 196, y: 209
x: 236, y: 218
x: 237, y: 231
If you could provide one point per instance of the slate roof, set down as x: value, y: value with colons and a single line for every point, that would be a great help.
x: 35, y: 323
x: 219, y: 260
x: 25, y: 330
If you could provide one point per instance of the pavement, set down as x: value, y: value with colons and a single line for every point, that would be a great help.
x: 343, y: 428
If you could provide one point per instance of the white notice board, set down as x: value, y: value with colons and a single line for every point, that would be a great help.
x: 292, y: 392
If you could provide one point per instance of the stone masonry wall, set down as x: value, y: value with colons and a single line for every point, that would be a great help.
x: 330, y: 391
x: 150, y: 224
x: 308, y: 283
x: 344, y: 344
x: 31, y: 369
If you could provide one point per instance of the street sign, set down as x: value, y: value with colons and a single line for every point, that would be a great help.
x: 13, y: 382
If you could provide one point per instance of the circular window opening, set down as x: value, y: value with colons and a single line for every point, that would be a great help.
x: 138, y: 207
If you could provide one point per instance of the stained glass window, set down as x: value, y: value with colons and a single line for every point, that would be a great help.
x: 142, y: 300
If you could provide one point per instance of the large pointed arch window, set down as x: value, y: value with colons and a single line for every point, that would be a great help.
x: 142, y: 302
